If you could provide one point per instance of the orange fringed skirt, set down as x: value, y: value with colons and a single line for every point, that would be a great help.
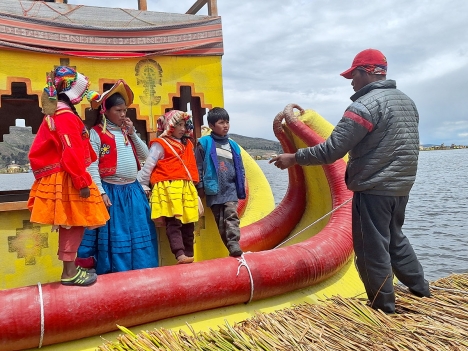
x: 54, y: 200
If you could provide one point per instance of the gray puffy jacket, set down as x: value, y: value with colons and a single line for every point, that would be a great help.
x: 380, y: 132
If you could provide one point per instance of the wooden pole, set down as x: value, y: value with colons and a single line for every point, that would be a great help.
x: 212, y: 7
x: 196, y: 7
x: 142, y: 5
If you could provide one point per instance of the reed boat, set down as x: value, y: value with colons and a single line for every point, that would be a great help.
x: 298, y: 251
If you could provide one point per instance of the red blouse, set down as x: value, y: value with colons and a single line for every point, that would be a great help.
x: 62, y: 144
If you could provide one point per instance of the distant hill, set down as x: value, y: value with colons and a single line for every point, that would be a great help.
x: 15, y: 146
x: 258, y: 147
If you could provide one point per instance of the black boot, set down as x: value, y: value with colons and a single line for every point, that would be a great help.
x: 235, y: 250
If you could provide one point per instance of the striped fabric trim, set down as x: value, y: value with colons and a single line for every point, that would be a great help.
x: 46, y: 169
x: 67, y: 140
x: 359, y: 120
x: 191, y: 38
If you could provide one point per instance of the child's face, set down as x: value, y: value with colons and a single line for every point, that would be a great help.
x: 221, y: 127
x: 179, y: 130
x: 116, y: 114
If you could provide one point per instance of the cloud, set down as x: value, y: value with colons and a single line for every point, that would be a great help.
x: 279, y: 52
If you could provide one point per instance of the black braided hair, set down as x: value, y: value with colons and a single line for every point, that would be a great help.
x: 64, y: 98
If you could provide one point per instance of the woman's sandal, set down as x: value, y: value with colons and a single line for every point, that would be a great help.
x: 182, y: 259
x: 82, y: 278
x: 88, y: 262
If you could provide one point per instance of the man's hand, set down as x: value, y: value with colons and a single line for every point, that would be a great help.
x: 85, y: 193
x: 284, y: 161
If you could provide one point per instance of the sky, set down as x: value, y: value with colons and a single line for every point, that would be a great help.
x: 278, y: 52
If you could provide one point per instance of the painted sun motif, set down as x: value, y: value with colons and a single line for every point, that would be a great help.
x: 149, y: 74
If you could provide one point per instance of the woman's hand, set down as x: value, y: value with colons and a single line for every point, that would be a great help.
x: 85, y: 193
x: 106, y: 200
x: 129, y: 126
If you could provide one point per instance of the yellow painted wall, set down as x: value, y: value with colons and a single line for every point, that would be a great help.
x: 203, y: 74
x: 28, y: 252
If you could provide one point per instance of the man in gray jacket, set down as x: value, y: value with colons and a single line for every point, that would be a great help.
x: 379, y: 130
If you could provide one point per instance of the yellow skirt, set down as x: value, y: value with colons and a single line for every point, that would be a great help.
x: 54, y: 200
x: 176, y: 198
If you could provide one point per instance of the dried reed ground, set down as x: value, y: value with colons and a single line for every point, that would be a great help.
x: 436, y: 323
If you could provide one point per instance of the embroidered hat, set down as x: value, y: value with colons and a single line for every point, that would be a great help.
x: 370, y: 60
x: 65, y: 80
x: 120, y: 87
x: 171, y: 118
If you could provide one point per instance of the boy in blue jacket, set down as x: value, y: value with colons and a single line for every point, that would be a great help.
x: 222, y: 177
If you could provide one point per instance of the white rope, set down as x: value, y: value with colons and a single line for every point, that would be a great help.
x: 42, y: 314
x: 310, y: 225
x: 243, y: 262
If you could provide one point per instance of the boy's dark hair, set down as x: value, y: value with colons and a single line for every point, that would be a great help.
x: 215, y: 114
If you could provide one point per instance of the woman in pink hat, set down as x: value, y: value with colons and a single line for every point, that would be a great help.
x: 171, y: 171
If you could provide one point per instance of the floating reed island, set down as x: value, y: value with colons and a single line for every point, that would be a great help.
x: 436, y: 323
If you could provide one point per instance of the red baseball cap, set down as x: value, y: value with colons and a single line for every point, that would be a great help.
x: 366, y: 57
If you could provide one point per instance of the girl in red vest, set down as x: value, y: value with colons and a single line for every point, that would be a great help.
x: 171, y: 171
x: 63, y: 194
x: 128, y: 240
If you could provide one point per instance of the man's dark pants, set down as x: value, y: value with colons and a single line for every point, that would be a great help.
x: 382, y: 249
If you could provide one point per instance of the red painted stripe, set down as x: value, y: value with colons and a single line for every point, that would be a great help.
x: 359, y: 120
x: 195, y: 52
x: 20, y: 27
x: 114, y: 45
x: 196, y: 35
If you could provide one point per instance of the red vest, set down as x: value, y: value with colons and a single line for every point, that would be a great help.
x: 170, y: 167
x: 108, y: 152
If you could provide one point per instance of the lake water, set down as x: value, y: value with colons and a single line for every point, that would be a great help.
x: 436, y: 217
x: 437, y: 213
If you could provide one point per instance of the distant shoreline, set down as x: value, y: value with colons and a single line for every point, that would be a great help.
x: 442, y: 147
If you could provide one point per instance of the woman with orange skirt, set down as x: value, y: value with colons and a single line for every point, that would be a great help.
x: 63, y: 194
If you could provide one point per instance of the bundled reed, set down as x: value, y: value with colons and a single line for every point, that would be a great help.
x: 436, y: 323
